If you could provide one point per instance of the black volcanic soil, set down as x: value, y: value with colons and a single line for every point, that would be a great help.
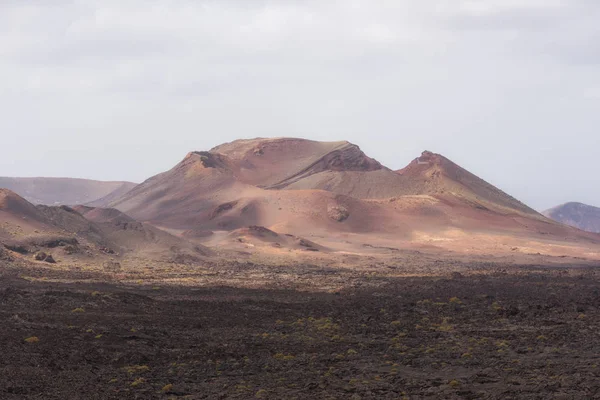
x: 512, y: 333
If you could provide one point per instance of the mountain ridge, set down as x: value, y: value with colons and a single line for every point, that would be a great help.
x: 301, y: 185
x: 65, y: 191
x: 330, y: 194
x: 579, y: 215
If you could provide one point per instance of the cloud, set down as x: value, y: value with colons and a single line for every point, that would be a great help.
x: 147, y: 81
x: 564, y: 30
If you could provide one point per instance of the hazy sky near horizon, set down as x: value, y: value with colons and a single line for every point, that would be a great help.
x: 122, y: 90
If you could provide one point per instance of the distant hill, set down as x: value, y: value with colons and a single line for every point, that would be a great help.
x: 66, y: 191
x: 83, y: 233
x: 579, y: 215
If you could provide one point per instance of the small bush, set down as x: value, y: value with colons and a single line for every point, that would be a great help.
x: 138, y: 382
x: 32, y: 339
x: 284, y: 357
x: 136, y: 369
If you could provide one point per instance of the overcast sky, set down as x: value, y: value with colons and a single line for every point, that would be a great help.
x: 122, y: 90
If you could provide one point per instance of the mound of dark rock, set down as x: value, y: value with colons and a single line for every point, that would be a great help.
x: 41, y: 256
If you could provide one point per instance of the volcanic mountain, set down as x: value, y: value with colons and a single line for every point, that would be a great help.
x: 579, y: 215
x: 332, y: 192
x: 66, y: 191
x: 249, y: 167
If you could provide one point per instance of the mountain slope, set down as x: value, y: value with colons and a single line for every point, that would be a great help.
x: 119, y: 192
x: 17, y: 215
x: 67, y: 233
x: 303, y: 186
x: 279, y: 163
x: 335, y: 195
x: 188, y: 193
x: 434, y: 174
x: 579, y: 215
x: 68, y: 191
x: 342, y: 168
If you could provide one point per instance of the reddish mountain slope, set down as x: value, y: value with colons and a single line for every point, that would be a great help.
x: 335, y: 195
x: 244, y: 179
x: 119, y: 192
x: 68, y: 191
x: 189, y: 193
x: 18, y: 215
x: 434, y: 174
x: 279, y: 163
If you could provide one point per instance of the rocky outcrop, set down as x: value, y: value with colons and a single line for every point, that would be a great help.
x: 338, y: 213
x: 347, y: 157
x: 41, y: 256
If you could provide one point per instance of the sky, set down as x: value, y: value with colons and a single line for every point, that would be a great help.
x: 122, y: 90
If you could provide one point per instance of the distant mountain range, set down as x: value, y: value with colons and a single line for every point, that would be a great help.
x: 65, y: 191
x: 579, y: 215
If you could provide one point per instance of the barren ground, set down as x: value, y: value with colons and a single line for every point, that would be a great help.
x: 413, y: 329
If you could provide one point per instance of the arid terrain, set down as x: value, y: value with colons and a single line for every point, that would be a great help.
x: 294, y: 269
x: 408, y: 328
